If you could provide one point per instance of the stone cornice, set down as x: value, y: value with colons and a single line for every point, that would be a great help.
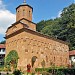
x: 19, y: 22
x: 24, y: 5
x: 35, y: 33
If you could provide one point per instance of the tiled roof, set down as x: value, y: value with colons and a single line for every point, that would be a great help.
x: 2, y: 45
x: 72, y: 52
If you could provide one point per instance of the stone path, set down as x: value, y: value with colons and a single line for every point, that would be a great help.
x: 4, y: 73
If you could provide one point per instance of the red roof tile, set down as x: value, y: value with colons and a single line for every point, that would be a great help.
x: 72, y: 52
x: 2, y: 45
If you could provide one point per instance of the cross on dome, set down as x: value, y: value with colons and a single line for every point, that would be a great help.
x: 24, y: 1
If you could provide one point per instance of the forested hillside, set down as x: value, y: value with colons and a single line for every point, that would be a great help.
x: 2, y: 42
x: 62, y: 28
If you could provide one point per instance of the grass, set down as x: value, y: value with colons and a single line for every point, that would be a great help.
x: 1, y: 68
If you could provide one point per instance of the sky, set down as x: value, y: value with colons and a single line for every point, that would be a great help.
x: 42, y: 10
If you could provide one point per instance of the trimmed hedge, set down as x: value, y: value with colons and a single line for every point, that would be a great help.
x: 56, y: 71
x: 42, y: 69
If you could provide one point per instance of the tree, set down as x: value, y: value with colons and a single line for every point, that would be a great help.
x: 67, y: 32
x: 43, y: 24
x: 12, y: 59
x: 63, y: 27
x: 40, y: 25
x: 2, y: 42
x: 52, y: 28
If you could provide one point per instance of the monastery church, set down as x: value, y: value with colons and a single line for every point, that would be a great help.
x: 33, y: 47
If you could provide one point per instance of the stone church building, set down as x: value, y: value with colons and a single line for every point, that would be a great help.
x: 33, y: 47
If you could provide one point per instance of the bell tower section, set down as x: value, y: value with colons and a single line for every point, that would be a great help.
x: 24, y: 11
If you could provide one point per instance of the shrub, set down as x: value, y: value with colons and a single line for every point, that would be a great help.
x: 1, y: 68
x: 59, y: 73
x: 11, y: 59
x: 45, y: 73
x: 17, y: 72
x: 33, y: 74
x: 42, y: 69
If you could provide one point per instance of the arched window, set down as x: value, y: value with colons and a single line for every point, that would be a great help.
x: 29, y: 13
x: 18, y: 14
x: 54, y: 59
x: 46, y: 59
x: 18, y: 11
x: 33, y: 60
x: 23, y: 12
